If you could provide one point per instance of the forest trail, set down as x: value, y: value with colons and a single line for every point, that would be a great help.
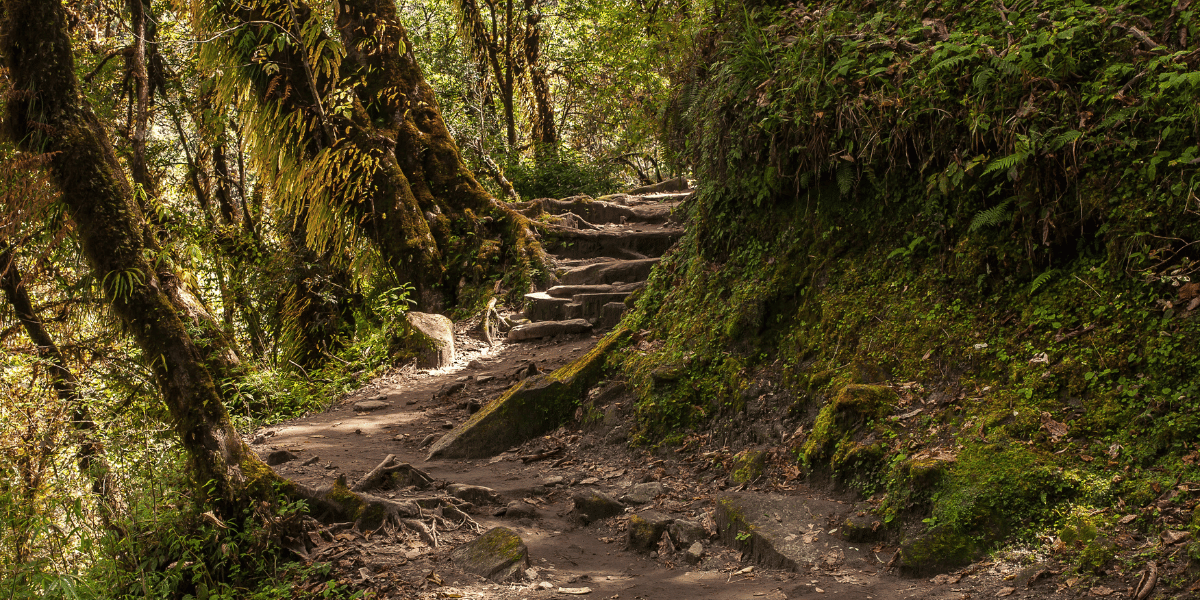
x: 604, y: 250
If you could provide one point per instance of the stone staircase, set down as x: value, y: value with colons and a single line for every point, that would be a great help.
x: 604, y: 250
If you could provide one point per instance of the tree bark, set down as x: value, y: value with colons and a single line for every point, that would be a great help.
x: 544, y: 135
x: 50, y: 117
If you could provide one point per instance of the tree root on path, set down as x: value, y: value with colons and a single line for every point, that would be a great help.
x: 369, y: 514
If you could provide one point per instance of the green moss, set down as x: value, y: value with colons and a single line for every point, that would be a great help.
x: 747, y: 466
x: 939, y: 549
x: 854, y: 406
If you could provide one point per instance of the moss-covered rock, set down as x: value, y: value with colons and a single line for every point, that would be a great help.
x: 854, y: 406
x: 591, y: 506
x: 644, y: 530
x: 499, y: 555
x: 936, y: 550
x: 747, y: 466
x: 529, y: 408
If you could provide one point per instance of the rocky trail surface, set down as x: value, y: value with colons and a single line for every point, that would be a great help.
x: 576, y: 511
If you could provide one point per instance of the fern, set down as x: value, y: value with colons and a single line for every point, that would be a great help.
x: 1006, y: 163
x: 990, y: 216
x: 1064, y: 139
x: 845, y: 178
x: 950, y: 63
x: 1041, y: 280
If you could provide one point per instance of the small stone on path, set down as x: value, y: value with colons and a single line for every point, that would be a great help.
x: 279, y: 457
x: 370, y: 405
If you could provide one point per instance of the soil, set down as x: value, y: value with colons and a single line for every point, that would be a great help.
x: 565, y: 555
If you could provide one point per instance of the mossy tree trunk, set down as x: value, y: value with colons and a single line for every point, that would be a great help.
x: 425, y: 212
x: 46, y: 114
x: 464, y: 218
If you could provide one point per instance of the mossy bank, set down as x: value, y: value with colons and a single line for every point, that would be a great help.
x: 941, y: 256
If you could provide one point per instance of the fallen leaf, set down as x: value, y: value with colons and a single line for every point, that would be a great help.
x: 575, y: 591
x: 1087, y: 458
x: 1127, y: 519
x: 1054, y: 428
x: 1102, y: 591
x: 589, y: 481
x: 1071, y: 581
x: 1008, y: 591
x: 819, y: 590
x: 1174, y: 537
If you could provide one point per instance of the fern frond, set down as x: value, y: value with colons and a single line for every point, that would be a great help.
x: 1005, y: 163
x: 1041, y: 280
x: 845, y: 178
x: 990, y: 216
x: 950, y: 63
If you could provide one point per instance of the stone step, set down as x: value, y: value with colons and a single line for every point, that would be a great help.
x: 568, y: 291
x: 619, y: 243
x: 609, y: 272
x: 541, y: 306
x: 533, y: 331
x: 594, y: 212
x: 610, y: 314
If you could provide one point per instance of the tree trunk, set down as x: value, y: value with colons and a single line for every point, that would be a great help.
x: 544, y: 137
x: 425, y: 151
x: 50, y: 117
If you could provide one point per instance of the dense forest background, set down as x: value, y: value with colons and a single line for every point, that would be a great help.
x: 215, y: 213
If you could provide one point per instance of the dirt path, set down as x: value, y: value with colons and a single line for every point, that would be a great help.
x: 565, y: 555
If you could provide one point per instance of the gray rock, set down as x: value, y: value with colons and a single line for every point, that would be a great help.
x: 528, y: 409
x: 439, y: 331
x: 591, y: 506
x: 311, y: 461
x: 645, y: 530
x: 279, y: 457
x: 544, y: 329
x: 475, y: 494
x: 499, y: 555
x: 685, y: 532
x: 694, y: 553
x: 520, y: 509
x: 429, y: 439
x: 643, y: 493
x: 370, y: 405
x: 552, y: 480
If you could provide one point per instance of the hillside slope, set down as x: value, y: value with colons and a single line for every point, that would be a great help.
x: 941, y: 258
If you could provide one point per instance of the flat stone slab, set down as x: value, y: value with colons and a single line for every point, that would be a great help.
x: 785, y: 532
x: 499, y: 555
x: 610, y: 272
x: 541, y: 306
x: 528, y: 409
x: 533, y: 331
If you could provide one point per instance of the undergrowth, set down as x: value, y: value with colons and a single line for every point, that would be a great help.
x: 991, y: 211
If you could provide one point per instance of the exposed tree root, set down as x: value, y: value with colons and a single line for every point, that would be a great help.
x: 366, y: 514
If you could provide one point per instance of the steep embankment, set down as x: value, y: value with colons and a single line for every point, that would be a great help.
x: 985, y: 215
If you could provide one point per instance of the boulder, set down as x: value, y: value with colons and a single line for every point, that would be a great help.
x: 645, y: 530
x: 530, y: 408
x: 592, y: 506
x: 643, y: 493
x: 544, y: 329
x: 520, y: 509
x: 685, y: 532
x: 498, y: 555
x: 475, y: 494
x: 438, y: 332
x: 279, y: 457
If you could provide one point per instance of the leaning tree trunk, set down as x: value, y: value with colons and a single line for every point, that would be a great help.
x: 397, y: 93
x: 45, y: 114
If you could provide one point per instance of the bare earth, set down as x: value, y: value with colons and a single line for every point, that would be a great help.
x: 568, y: 558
